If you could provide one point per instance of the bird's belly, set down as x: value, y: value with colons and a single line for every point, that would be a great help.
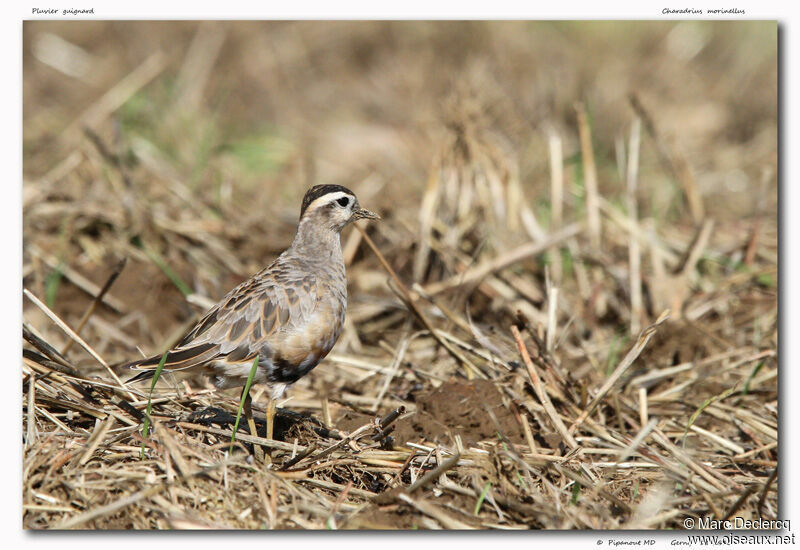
x: 299, y: 351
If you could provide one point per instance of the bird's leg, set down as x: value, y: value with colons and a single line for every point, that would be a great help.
x: 271, y: 418
x: 248, y: 411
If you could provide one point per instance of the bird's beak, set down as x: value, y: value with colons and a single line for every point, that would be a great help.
x: 364, y: 214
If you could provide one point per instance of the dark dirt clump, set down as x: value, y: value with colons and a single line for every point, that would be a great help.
x: 678, y: 342
x: 455, y: 408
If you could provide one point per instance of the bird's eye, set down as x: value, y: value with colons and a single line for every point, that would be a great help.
x: 344, y: 202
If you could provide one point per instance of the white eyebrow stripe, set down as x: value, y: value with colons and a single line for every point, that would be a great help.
x: 327, y: 199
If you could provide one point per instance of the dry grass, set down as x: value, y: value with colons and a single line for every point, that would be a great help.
x: 549, y: 191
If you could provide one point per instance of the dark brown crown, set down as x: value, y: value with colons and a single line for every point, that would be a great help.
x: 319, y: 191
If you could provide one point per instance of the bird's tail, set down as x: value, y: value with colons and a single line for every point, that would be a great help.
x: 144, y: 375
x: 178, y: 359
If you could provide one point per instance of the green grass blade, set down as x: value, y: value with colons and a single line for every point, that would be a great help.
x: 171, y: 274
x: 755, y: 370
x: 146, y: 424
x: 51, y: 285
x: 576, y: 493
x: 241, y: 401
x: 481, y: 498
x: 522, y: 481
x: 702, y: 407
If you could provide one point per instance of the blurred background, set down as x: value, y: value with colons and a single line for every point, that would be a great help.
x: 640, y: 156
x: 242, y: 117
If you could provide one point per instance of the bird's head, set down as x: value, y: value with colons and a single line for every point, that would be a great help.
x: 332, y: 207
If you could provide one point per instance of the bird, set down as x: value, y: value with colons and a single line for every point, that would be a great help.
x: 289, y: 315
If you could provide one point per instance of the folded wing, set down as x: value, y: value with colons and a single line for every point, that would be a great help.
x: 279, y: 299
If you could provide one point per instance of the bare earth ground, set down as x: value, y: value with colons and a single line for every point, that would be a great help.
x: 582, y: 218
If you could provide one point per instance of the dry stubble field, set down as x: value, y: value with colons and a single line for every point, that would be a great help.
x: 582, y: 217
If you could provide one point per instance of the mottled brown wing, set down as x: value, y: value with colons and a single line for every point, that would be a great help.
x: 279, y: 299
